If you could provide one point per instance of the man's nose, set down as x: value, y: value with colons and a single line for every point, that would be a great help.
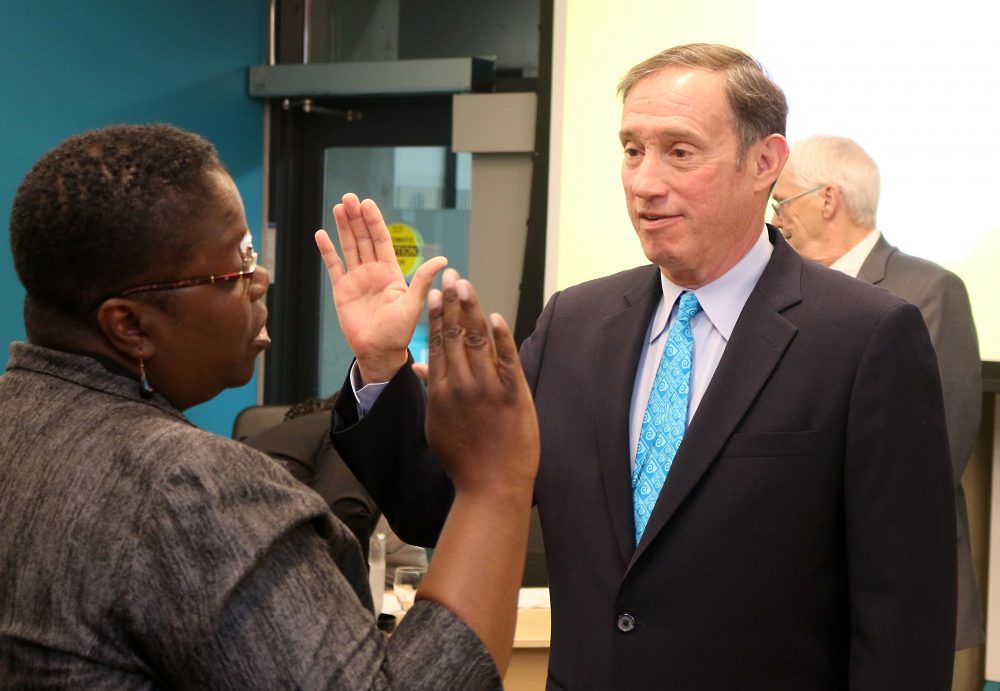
x: 650, y: 179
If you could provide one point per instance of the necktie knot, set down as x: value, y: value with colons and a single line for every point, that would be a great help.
x: 689, y: 306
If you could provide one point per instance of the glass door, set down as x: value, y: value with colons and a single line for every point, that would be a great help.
x: 425, y: 196
x: 393, y: 150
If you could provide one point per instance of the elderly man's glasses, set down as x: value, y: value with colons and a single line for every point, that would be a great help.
x: 777, y: 205
x: 248, y: 264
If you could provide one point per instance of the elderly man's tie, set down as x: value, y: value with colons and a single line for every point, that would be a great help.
x: 665, y: 419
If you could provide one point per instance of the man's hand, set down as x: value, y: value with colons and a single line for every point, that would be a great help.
x: 377, y: 310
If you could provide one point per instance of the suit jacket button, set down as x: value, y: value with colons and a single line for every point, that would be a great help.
x: 626, y: 622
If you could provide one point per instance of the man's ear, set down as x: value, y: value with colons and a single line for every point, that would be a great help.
x: 121, y: 320
x: 770, y: 155
x: 831, y: 201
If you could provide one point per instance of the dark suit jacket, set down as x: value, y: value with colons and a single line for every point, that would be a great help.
x: 805, y: 537
x: 944, y: 303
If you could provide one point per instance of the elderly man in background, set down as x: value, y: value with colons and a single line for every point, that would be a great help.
x: 825, y: 204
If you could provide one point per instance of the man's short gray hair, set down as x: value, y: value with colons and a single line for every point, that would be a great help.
x: 757, y: 105
x: 826, y: 160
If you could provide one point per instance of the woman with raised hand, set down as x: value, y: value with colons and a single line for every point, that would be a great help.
x: 138, y: 551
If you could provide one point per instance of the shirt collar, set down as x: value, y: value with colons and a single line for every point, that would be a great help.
x: 721, y: 300
x: 850, y: 262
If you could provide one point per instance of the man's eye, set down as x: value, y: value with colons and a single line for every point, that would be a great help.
x: 631, y: 152
x: 681, y: 153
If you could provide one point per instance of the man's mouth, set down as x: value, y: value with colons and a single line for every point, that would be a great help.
x: 655, y: 219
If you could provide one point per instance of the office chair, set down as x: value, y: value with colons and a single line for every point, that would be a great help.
x: 257, y: 418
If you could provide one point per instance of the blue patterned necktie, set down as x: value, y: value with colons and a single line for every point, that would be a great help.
x: 665, y: 419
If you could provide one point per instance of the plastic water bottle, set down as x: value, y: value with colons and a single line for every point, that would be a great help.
x: 376, y: 569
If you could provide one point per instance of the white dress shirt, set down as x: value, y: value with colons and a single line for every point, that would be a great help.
x: 721, y: 302
x: 850, y: 262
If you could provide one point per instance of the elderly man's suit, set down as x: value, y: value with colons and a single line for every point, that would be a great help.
x: 943, y: 301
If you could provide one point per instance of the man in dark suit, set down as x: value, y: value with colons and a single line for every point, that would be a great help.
x: 303, y: 448
x: 834, y: 223
x: 301, y: 444
x: 804, y: 536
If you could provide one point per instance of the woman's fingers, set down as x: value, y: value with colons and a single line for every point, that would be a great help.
x: 477, y: 333
x: 508, y: 361
x: 468, y: 352
x: 437, y: 364
x: 453, y: 330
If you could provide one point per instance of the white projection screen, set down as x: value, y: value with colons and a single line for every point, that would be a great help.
x: 918, y: 87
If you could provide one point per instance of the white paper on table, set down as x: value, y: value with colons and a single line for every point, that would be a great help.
x: 532, y: 598
x: 390, y: 605
x: 527, y: 598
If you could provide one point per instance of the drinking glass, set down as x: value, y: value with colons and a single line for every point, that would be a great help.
x: 405, y: 584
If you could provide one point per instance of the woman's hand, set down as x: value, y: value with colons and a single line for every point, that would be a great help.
x: 481, y: 419
x: 481, y: 424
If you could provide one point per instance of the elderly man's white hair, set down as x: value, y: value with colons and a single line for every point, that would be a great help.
x: 826, y: 160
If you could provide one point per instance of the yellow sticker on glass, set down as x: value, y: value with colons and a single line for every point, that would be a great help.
x: 409, y: 246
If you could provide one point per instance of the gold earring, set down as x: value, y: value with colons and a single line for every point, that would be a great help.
x: 145, y: 389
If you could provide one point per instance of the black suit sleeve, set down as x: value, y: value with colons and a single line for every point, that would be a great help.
x: 899, y: 514
x: 388, y: 453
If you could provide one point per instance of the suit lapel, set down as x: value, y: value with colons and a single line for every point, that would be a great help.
x: 618, y: 351
x: 874, y: 267
x: 758, y: 341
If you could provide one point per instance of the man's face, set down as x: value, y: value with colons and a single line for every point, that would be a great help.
x: 800, y: 218
x: 695, y: 208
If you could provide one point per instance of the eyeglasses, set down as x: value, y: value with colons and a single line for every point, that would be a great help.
x: 248, y: 259
x: 777, y: 205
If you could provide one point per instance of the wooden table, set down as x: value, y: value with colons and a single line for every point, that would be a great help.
x: 530, y: 662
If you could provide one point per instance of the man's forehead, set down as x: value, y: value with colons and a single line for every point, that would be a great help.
x: 679, y: 77
x: 686, y: 96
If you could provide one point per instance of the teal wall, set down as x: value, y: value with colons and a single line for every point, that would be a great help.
x: 68, y: 66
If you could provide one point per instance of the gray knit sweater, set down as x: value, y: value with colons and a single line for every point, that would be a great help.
x: 138, y: 551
